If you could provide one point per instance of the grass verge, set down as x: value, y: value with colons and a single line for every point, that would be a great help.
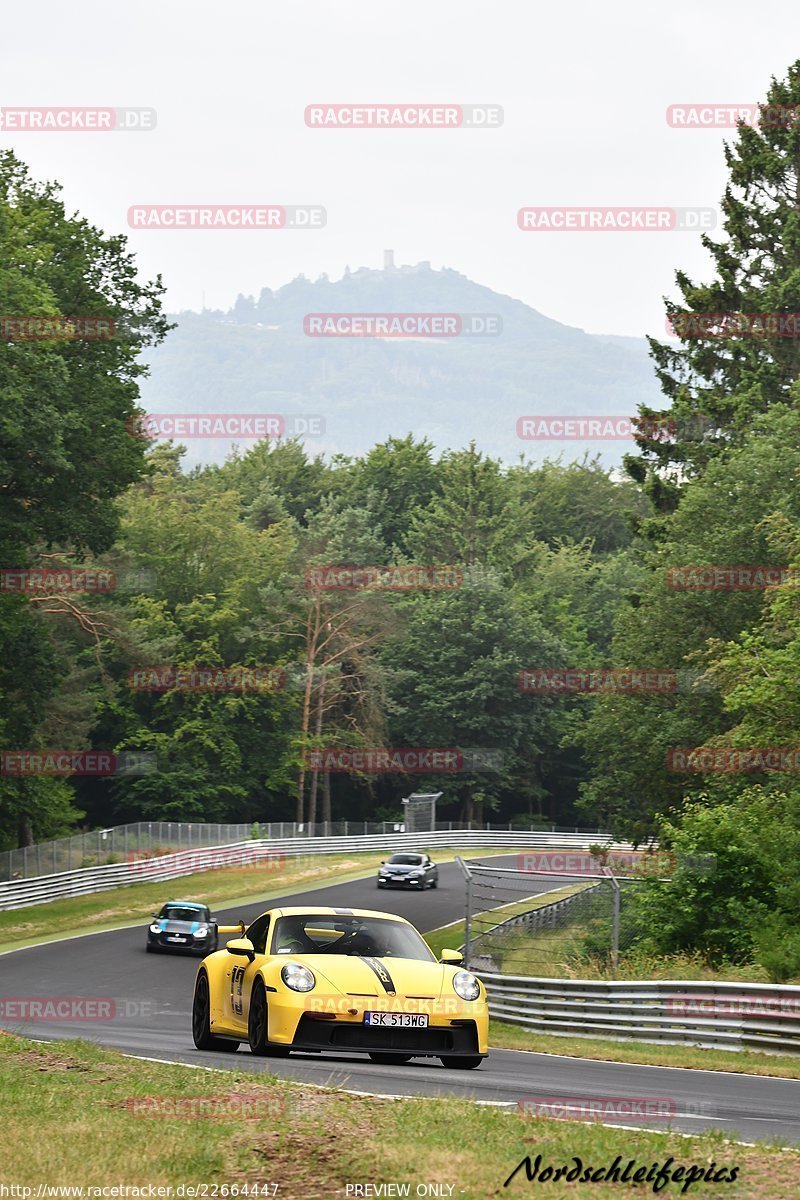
x: 746, y: 1062
x: 102, y: 1120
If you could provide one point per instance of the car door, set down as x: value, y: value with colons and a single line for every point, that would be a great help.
x: 240, y: 975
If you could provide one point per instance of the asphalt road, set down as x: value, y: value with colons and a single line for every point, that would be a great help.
x: 152, y: 996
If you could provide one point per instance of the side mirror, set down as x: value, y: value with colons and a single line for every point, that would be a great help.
x: 383, y: 862
x: 242, y: 947
x: 154, y: 916
x: 451, y: 956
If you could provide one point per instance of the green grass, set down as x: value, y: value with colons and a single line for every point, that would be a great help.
x: 748, y: 1062
x: 76, y: 1114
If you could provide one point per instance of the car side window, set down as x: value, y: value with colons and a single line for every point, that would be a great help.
x: 257, y: 934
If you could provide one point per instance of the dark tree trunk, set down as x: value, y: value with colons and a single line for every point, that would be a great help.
x: 24, y: 832
x: 326, y: 796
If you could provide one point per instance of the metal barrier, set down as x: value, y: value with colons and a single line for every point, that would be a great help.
x: 734, y: 1016
x: 24, y: 892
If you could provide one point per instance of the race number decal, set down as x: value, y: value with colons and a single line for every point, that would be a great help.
x: 237, y: 980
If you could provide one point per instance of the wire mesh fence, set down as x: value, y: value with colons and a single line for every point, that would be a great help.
x: 526, y: 921
x: 121, y: 843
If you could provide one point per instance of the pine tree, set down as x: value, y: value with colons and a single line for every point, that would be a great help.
x: 719, y: 381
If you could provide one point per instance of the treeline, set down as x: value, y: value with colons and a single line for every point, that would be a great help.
x: 228, y: 652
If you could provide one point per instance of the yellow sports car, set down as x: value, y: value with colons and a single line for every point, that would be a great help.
x: 339, y: 979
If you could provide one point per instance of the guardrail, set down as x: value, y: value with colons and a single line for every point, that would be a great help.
x: 733, y: 1016
x: 24, y: 892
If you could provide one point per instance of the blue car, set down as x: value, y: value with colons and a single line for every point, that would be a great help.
x: 183, y: 925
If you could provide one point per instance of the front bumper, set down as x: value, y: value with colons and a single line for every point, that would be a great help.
x: 401, y: 881
x: 336, y: 1022
x: 456, y: 1039
x: 161, y: 941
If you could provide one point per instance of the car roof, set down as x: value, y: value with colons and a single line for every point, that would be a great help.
x: 186, y: 903
x: 313, y: 910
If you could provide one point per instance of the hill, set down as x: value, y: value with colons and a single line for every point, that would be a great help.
x: 258, y: 358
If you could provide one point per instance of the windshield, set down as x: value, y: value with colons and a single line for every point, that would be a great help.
x: 370, y: 937
x: 174, y: 912
x: 407, y: 860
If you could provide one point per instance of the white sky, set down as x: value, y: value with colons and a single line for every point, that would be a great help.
x: 584, y: 87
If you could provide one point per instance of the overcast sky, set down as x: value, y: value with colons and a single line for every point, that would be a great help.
x: 584, y: 88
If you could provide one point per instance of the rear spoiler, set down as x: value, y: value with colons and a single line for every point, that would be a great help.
x: 240, y: 928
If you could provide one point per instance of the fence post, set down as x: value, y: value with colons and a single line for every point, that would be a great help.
x: 467, y: 909
x: 615, y: 934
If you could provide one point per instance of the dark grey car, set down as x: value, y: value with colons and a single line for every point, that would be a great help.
x: 410, y: 871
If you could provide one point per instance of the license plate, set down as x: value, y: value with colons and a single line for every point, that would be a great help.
x: 393, y: 1020
x: 175, y: 937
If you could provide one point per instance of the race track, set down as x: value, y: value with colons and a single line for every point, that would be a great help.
x: 152, y: 1017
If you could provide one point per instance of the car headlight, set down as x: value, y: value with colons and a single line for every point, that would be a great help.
x: 155, y: 929
x: 466, y: 986
x: 201, y: 932
x: 297, y: 977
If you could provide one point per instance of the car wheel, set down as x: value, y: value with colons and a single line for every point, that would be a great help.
x: 204, y: 1039
x: 149, y: 948
x: 466, y: 1062
x: 257, y: 1025
x: 380, y: 1056
x: 434, y: 883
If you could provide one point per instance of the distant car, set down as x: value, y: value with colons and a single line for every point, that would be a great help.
x: 183, y: 925
x: 408, y: 870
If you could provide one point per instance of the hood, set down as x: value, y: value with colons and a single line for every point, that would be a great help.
x: 168, y: 926
x: 400, y: 868
x: 351, y: 975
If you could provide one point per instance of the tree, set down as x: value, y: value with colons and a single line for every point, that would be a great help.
x: 66, y: 450
x: 719, y: 381
x: 724, y: 518
x: 578, y: 501
x: 453, y: 668
x: 395, y: 479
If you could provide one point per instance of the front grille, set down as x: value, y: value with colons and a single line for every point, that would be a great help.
x: 352, y: 1035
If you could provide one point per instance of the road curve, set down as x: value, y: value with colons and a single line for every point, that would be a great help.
x: 152, y: 1011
